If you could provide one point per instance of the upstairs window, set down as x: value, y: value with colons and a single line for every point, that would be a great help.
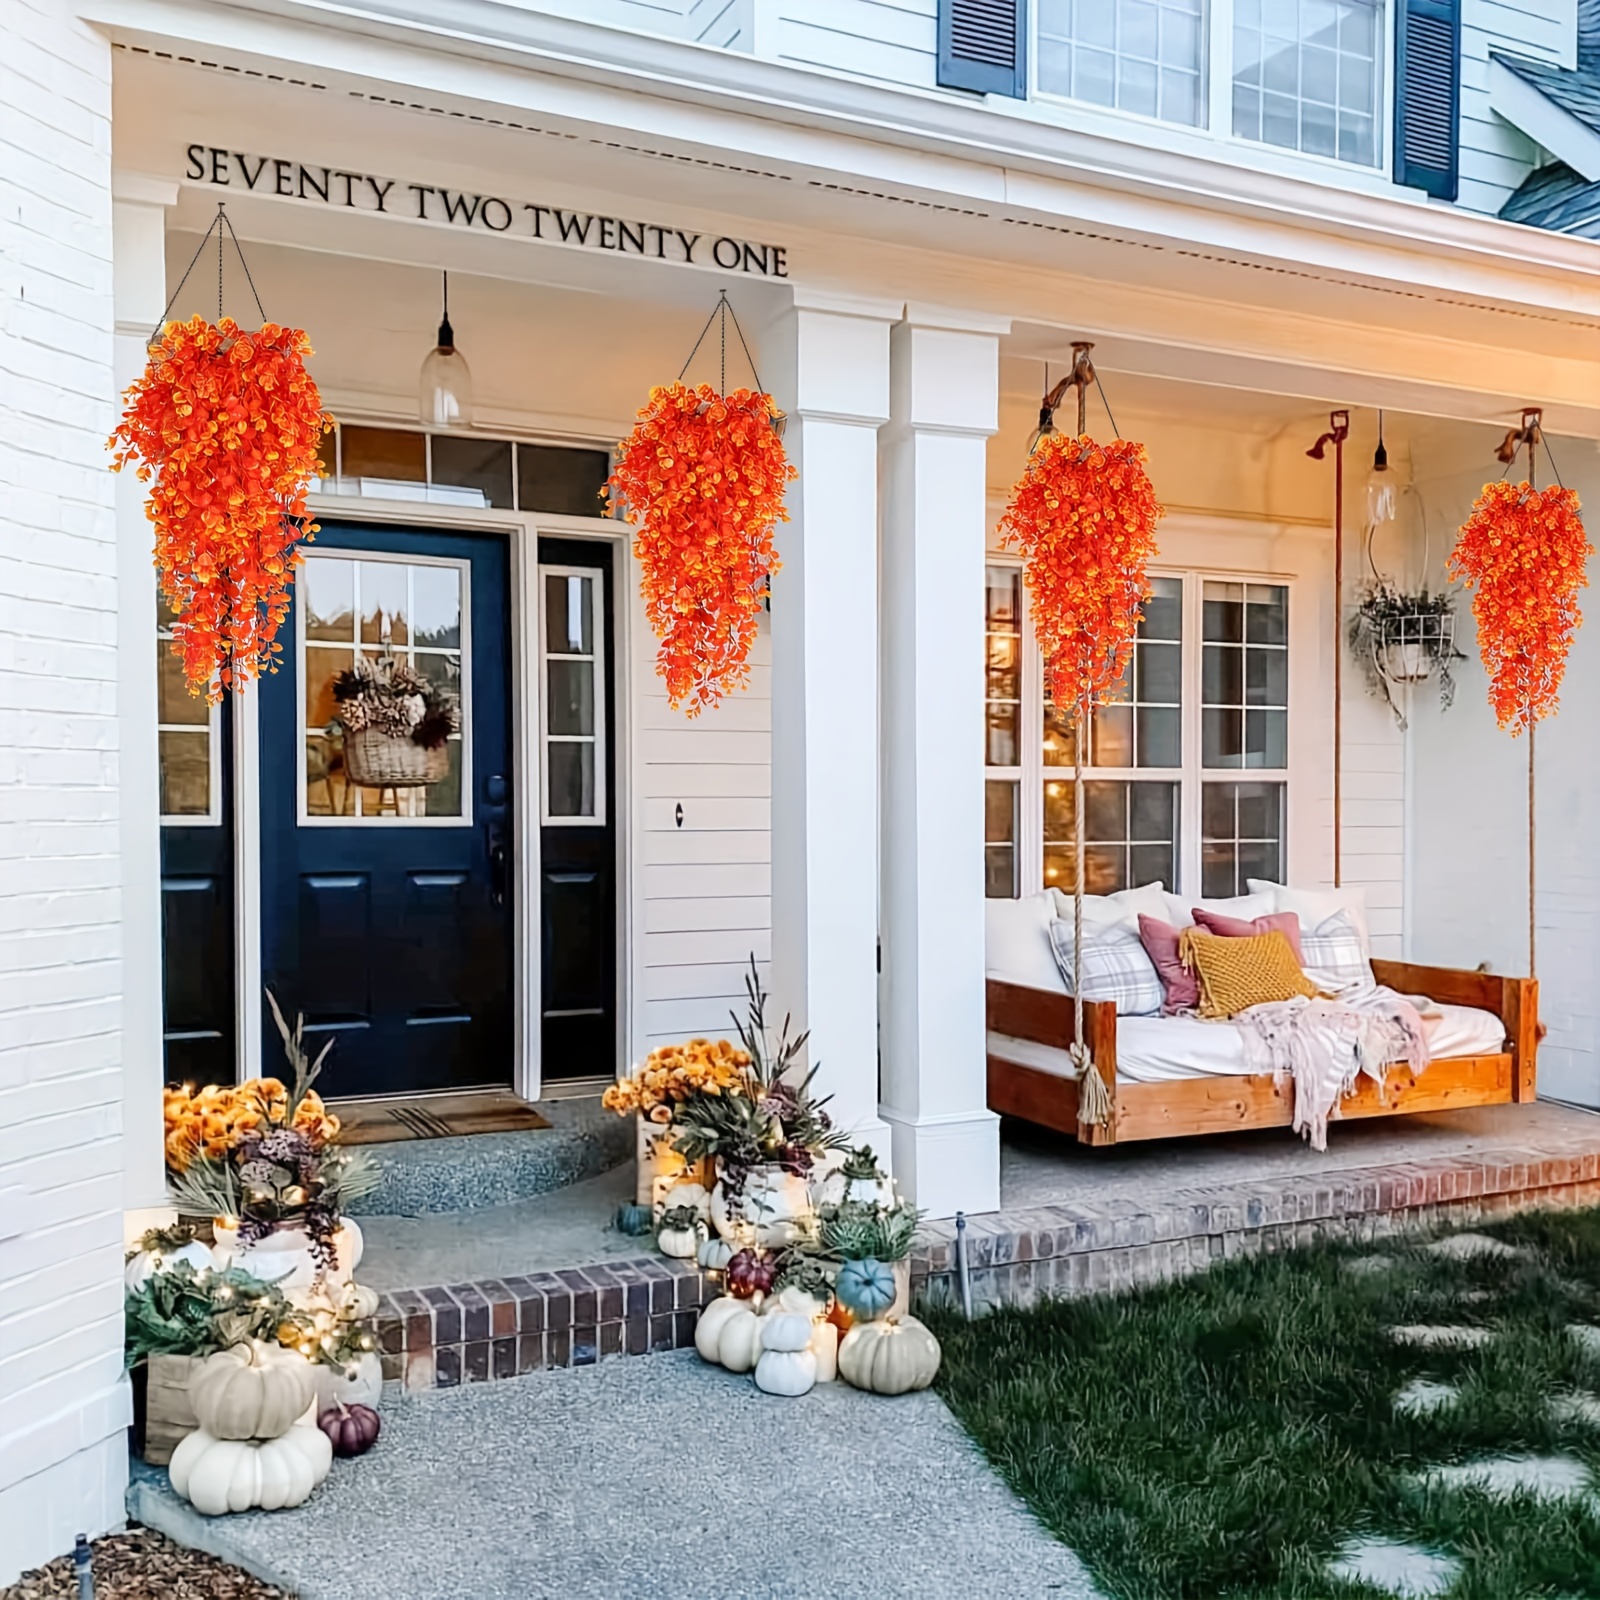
x: 1306, y: 76
x: 1143, y: 56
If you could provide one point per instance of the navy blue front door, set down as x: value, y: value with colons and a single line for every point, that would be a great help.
x: 387, y: 875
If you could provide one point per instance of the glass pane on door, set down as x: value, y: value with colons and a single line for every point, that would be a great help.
x: 384, y: 696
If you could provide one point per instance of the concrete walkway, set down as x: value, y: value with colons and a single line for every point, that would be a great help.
x: 660, y: 1478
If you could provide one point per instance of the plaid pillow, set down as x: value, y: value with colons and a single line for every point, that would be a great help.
x: 1115, y: 967
x: 1332, y: 957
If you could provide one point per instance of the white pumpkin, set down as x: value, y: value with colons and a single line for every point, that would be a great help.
x: 801, y: 1302
x: 774, y: 1206
x: 217, y: 1475
x: 728, y: 1333
x: 679, y: 1243
x: 358, y: 1383
x: 714, y: 1254
x: 693, y: 1196
x: 893, y: 1355
x: 251, y: 1391
x: 145, y: 1264
x: 787, y: 1365
x: 360, y: 1302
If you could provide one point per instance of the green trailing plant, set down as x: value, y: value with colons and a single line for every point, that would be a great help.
x: 861, y: 1165
x: 181, y: 1312
x: 857, y: 1231
x: 162, y: 1241
x: 678, y: 1218
x: 798, y: 1269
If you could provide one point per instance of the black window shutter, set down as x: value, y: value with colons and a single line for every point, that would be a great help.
x: 1427, y: 97
x: 983, y: 46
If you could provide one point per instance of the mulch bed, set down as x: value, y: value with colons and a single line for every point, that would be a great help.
x: 144, y: 1565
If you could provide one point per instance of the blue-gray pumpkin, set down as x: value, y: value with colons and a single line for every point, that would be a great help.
x: 635, y: 1220
x: 866, y: 1289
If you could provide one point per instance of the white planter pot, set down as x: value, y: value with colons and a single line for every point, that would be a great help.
x: 774, y: 1208
x: 1406, y: 662
x: 285, y: 1258
x: 358, y: 1385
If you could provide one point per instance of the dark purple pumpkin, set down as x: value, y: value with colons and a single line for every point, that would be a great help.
x: 751, y: 1272
x: 352, y: 1429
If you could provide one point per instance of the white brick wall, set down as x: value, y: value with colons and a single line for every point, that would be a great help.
x: 63, y: 1400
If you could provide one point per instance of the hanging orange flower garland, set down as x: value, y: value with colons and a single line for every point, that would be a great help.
x: 1522, y: 552
x: 1084, y: 517
x: 224, y: 425
x: 702, y: 477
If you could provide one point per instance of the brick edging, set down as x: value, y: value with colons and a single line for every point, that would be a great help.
x: 441, y: 1336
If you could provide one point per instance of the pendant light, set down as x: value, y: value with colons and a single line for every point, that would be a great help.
x: 445, y: 386
x: 1381, y: 485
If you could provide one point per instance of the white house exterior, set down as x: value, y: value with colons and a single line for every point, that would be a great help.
x: 1206, y: 189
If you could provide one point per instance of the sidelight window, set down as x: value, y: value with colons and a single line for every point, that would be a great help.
x: 187, y: 738
x: 572, y: 692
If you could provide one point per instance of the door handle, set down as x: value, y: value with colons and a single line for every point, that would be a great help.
x: 497, y: 837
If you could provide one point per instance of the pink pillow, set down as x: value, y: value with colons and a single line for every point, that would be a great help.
x: 1181, y: 988
x: 1284, y: 922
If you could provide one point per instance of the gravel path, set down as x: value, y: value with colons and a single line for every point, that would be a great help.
x: 143, y: 1565
x: 655, y: 1477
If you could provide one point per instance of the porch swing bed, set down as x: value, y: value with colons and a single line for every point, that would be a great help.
x: 1171, y: 1076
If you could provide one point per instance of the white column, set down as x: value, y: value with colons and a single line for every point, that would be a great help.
x: 139, y: 287
x: 945, y: 398
x: 829, y: 364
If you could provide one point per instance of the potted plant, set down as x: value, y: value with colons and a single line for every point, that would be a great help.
x: 263, y: 1163
x: 1405, y: 638
x: 669, y: 1079
x: 396, y: 723
x: 868, y: 1245
x: 765, y: 1136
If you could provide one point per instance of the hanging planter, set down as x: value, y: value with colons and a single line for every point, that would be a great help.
x: 1084, y: 516
x: 702, y: 478
x: 1405, y: 639
x: 224, y: 426
x: 1523, y: 552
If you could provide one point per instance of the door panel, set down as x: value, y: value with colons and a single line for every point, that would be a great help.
x: 578, y: 841
x: 386, y: 888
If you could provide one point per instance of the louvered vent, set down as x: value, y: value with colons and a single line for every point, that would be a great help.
x: 983, y: 46
x: 1427, y: 96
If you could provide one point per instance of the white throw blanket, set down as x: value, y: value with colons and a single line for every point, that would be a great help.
x: 1323, y: 1046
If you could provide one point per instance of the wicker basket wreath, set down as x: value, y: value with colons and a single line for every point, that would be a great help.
x: 397, y: 724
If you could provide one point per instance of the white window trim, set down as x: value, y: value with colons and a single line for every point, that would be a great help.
x: 1031, y: 774
x: 303, y: 815
x: 597, y: 619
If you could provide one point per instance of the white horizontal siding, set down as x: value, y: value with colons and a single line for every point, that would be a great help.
x: 1494, y: 156
x: 894, y: 42
x: 703, y: 901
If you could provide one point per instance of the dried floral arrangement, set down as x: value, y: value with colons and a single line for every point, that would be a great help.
x: 265, y: 1155
x: 391, y: 697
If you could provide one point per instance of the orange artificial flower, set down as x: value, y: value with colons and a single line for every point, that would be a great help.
x: 1523, y: 553
x: 224, y: 426
x: 1084, y: 517
x: 702, y: 477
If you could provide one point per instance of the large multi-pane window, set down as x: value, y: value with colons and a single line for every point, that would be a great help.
x: 1306, y: 75
x: 1144, y: 56
x: 1187, y: 760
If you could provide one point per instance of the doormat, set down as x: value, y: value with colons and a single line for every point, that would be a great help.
x: 433, y: 1116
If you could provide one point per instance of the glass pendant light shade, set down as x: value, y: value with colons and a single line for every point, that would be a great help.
x: 1381, y: 485
x: 444, y: 393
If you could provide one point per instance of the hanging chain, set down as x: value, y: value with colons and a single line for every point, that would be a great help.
x: 219, y: 223
x: 722, y: 311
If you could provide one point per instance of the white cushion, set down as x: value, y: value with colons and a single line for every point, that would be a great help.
x: 1178, y: 909
x: 1016, y: 941
x: 1315, y: 906
x: 1116, y: 966
x: 1332, y: 956
x: 1121, y: 908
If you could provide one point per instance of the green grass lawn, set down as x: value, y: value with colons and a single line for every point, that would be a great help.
x: 1224, y: 1435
